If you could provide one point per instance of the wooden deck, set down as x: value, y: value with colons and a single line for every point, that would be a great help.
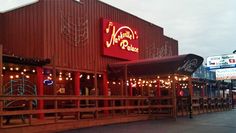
x: 118, y: 110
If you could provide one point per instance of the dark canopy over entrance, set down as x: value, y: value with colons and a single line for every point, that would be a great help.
x: 25, y: 61
x: 182, y: 64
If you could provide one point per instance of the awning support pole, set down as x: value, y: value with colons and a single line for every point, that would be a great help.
x: 40, y: 90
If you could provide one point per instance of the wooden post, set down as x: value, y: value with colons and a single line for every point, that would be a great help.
x: 203, y: 90
x: 190, y: 86
x: 125, y: 75
x: 173, y: 87
x: 40, y: 90
x: 96, y: 86
x: 126, y: 90
x: 130, y: 89
x: 158, y: 88
x: 122, y: 88
x: 54, y: 77
x: 105, y: 92
x: 1, y: 83
x: 77, y: 90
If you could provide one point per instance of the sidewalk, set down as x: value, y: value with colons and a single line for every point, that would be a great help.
x: 219, y: 122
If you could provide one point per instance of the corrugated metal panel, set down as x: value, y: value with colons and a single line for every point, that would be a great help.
x: 172, y: 44
x: 22, y: 31
x: 63, y: 21
x: 1, y: 29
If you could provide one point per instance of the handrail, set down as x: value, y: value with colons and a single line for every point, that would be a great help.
x: 81, y: 98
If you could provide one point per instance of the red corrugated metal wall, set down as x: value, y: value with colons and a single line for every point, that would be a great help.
x: 1, y: 29
x: 171, y: 45
x: 22, y: 31
x: 70, y: 33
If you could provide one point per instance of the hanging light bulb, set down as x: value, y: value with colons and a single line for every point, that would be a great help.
x: 24, y: 70
x: 17, y: 68
x: 60, y: 78
x: 134, y: 85
x: 11, y: 77
x: 27, y: 76
x: 81, y: 75
x: 88, y: 77
x: 11, y: 69
x: 17, y: 76
x: 4, y: 68
x: 33, y: 71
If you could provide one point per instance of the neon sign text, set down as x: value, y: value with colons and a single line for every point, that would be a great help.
x: 121, y: 35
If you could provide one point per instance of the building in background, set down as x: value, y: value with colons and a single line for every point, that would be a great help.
x: 204, y: 73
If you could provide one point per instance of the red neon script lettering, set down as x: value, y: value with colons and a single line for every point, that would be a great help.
x: 122, y: 35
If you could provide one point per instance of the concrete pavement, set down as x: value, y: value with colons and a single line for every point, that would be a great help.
x: 218, y: 122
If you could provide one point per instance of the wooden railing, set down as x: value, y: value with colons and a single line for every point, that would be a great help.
x: 98, y: 107
x: 202, y: 105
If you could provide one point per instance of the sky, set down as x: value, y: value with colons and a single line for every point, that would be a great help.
x: 202, y: 27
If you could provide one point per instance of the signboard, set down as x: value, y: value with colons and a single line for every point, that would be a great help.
x: 227, y: 73
x: 119, y: 40
x: 190, y: 64
x: 222, y: 61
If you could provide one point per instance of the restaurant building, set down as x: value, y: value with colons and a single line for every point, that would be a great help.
x: 86, y: 57
x: 77, y: 38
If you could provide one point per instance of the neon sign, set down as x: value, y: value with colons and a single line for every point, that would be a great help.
x: 48, y: 82
x: 119, y: 41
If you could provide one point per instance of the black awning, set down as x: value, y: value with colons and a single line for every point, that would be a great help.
x: 25, y: 61
x: 182, y: 64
